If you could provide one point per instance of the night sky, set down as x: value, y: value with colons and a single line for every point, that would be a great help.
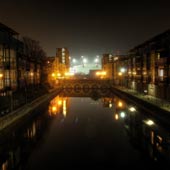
x: 87, y: 27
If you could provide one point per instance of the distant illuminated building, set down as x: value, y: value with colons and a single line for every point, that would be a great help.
x: 84, y: 68
x: 62, y: 54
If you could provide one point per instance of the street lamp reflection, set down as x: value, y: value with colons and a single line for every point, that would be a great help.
x: 1, y: 75
x: 58, y: 106
x: 132, y: 109
x: 149, y: 122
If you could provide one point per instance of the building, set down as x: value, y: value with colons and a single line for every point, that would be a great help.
x: 107, y: 65
x: 148, y: 66
x: 114, y: 66
x: 94, y: 74
x: 49, y: 69
x: 58, y: 67
x: 9, y: 50
x: 20, y: 68
x: 63, y: 59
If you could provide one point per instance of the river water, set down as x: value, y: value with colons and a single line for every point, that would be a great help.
x: 84, y: 129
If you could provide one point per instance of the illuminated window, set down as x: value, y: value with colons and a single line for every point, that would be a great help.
x: 158, y: 56
x: 161, y: 72
x: 110, y: 57
x: 1, y: 83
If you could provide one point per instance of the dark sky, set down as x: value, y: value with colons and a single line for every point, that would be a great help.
x: 87, y: 27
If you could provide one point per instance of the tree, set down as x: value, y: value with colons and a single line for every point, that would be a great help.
x: 33, y: 50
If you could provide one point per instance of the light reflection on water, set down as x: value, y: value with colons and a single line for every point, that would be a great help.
x: 89, y: 128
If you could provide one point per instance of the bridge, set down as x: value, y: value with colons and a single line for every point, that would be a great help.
x: 93, y: 93
x: 85, y: 84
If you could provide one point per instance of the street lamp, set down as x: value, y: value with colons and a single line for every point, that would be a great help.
x: 1, y: 75
x: 101, y: 74
x: 122, y: 70
x: 82, y: 57
x: 96, y: 60
x: 74, y: 60
x: 121, y: 74
x: 132, y: 109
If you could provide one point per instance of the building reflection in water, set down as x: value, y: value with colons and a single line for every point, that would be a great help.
x: 59, y: 105
x: 17, y: 144
x: 145, y: 133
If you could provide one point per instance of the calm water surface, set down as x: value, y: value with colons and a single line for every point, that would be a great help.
x: 87, y: 130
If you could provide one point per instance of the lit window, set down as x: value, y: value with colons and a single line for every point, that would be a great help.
x: 161, y: 72
x: 110, y: 57
x: 158, y: 56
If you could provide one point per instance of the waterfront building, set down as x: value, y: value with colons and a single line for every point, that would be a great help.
x: 107, y: 65
x: 63, y: 61
x: 149, y: 66
x: 115, y: 67
x: 21, y: 63
x: 9, y: 50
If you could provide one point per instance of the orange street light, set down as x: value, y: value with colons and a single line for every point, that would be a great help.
x: 1, y: 75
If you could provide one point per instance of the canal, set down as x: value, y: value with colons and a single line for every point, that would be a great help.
x: 84, y: 129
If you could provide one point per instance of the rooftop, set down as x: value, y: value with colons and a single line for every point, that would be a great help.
x: 6, y: 28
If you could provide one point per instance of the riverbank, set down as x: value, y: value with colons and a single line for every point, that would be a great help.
x: 26, y: 109
x: 158, y: 108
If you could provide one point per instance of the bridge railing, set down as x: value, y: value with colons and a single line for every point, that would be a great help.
x: 86, y: 83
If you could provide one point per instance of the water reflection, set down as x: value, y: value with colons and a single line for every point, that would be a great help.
x: 92, y: 93
x: 16, y: 143
x: 146, y: 133
x: 58, y: 105
x: 148, y: 136
x: 92, y: 132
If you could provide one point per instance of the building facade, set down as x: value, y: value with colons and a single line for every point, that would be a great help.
x: 114, y: 66
x: 149, y: 66
x: 63, y: 59
x: 9, y: 49
x: 107, y: 65
x: 146, y: 67
x: 20, y: 68
x: 58, y: 67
